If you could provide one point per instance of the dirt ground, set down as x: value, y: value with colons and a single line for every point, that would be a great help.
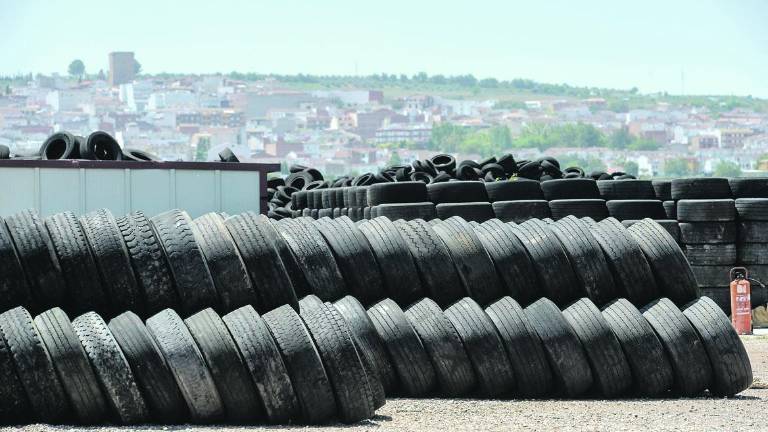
x: 746, y: 412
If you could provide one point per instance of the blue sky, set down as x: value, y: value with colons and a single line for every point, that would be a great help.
x: 721, y: 47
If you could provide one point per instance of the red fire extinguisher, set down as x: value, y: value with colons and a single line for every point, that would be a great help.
x: 741, y: 301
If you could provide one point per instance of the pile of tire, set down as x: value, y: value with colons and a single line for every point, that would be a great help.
x: 98, y: 145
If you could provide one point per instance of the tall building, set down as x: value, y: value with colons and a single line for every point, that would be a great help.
x: 121, y: 68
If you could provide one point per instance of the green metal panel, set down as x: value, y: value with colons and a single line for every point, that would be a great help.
x: 18, y: 191
x: 239, y: 191
x: 105, y: 188
x: 60, y: 190
x: 196, y: 192
x: 151, y: 191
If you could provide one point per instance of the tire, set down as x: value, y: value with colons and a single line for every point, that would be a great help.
x: 509, y: 256
x: 626, y: 190
x: 354, y: 258
x: 569, y: 363
x: 410, y: 211
x: 61, y: 145
x: 191, y: 276
x: 748, y: 253
x: 187, y: 366
x: 722, y: 210
x: 14, y: 404
x: 731, y: 368
x: 632, y: 273
x: 416, y: 375
x: 752, y: 232
x: 265, y: 364
x: 595, y: 209
x: 670, y: 209
x: 150, y: 369
x: 14, y: 288
x: 700, y: 188
x: 38, y: 259
x: 752, y: 209
x: 673, y: 274
x: 138, y: 155
x: 225, y: 264
x: 367, y: 340
x: 457, y: 192
x: 636, y: 209
x: 5, y: 152
x: 450, y: 360
x: 473, y: 264
x: 514, y: 190
x: 100, y: 146
x: 586, y: 258
x: 115, y: 375
x: 272, y: 272
x: 651, y: 370
x: 521, y: 211
x: 401, y: 278
x: 77, y: 264
x: 433, y: 260
x: 523, y: 346
x: 662, y: 189
x: 610, y: 368
x: 149, y: 263
x: 314, y: 257
x: 712, y: 276
x: 34, y: 367
x: 719, y: 254
x: 749, y: 187
x: 708, y: 232
x: 684, y: 348
x: 577, y: 188
x: 72, y: 366
x: 400, y: 192
x: 471, y: 211
x: 557, y: 280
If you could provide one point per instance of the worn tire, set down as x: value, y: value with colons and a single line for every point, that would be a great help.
x: 593, y: 208
x: 626, y: 189
x: 721, y: 254
x: 471, y: 211
x: 636, y: 209
x: 708, y: 232
x: 700, y: 188
x: 514, y: 190
x: 14, y: 404
x: 399, y: 192
x: 752, y: 209
x: 457, y: 192
x: 578, y: 188
x: 521, y: 211
x: 709, y: 210
x: 409, y: 211
x: 14, y: 287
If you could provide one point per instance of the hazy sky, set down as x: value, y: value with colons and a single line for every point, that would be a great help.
x: 719, y: 46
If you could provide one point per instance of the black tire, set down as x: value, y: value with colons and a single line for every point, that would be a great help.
x: 268, y: 259
x: 752, y: 232
x: 713, y: 276
x: 100, y: 146
x: 700, y: 188
x: 662, y: 189
x: 400, y: 192
x: 410, y: 211
x: 484, y: 347
x: 524, y: 348
x: 721, y: 210
x: 720, y: 254
x: 651, y: 370
x: 149, y: 263
x: 136, y: 155
x: 416, y: 374
x: 77, y: 264
x: 708, y: 232
x: 61, y: 145
x: 34, y: 367
x: 577, y: 188
x: 557, y: 279
x: 521, y: 211
x: 473, y: 264
x: 315, y: 258
x: 115, y: 375
x: 670, y: 209
x: 450, y: 360
x: 224, y: 263
x: 241, y: 404
x: 187, y: 366
x: 367, y: 340
x: 595, y: 208
x: 636, y: 209
x: 457, y: 192
x: 345, y: 369
x: 626, y: 190
x: 72, y: 366
x: 150, y: 369
x: 671, y: 269
x: 685, y: 350
x: 514, y: 190
x: 631, y: 271
x: 38, y: 259
x: 401, y: 278
x: 14, y: 287
x: 433, y: 260
x: 5, y: 152
x: 512, y: 262
x: 672, y: 227
x: 113, y: 262
x: 565, y: 353
x: 731, y: 368
x: 610, y: 368
x: 756, y: 187
x: 749, y: 254
x: 471, y: 211
x: 752, y: 209
x: 192, y: 278
x: 586, y: 258
x: 14, y: 405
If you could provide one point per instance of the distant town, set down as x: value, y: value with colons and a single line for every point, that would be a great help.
x: 350, y: 125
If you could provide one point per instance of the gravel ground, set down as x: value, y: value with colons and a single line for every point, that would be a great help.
x: 743, y: 413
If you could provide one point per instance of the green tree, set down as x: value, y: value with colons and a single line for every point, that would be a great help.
x: 394, y: 159
x: 727, y: 169
x: 621, y: 139
x: 76, y: 69
x: 644, y: 144
x: 136, y: 67
x: 631, y: 168
x: 677, y: 168
x: 201, y: 152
